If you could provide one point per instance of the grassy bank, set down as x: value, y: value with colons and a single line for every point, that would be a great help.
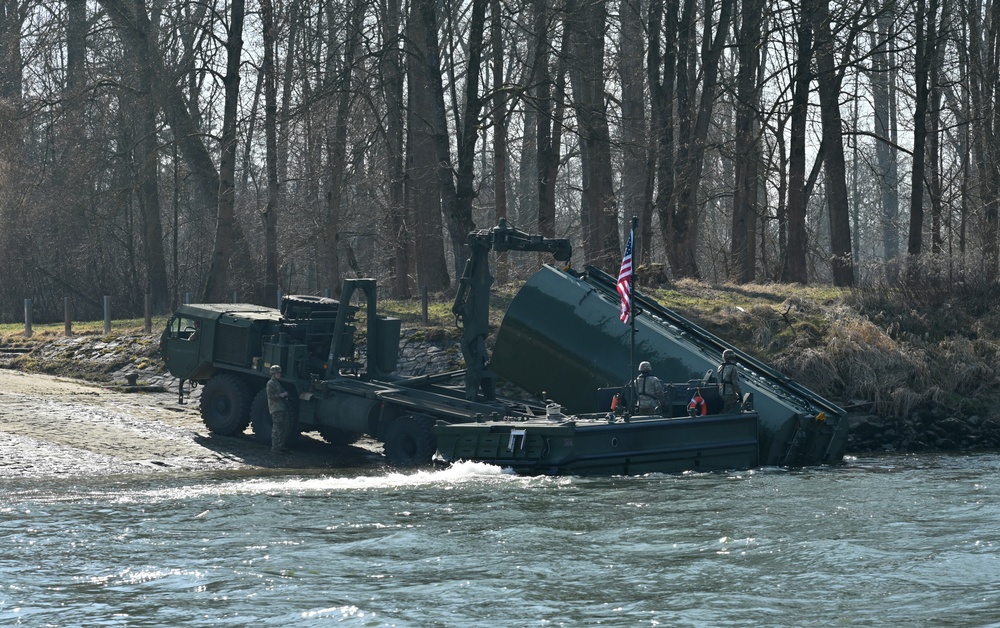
x: 903, y: 356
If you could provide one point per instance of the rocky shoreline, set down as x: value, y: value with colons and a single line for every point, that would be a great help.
x: 870, y: 433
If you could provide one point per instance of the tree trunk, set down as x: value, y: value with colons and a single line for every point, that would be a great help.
x: 500, y: 112
x: 841, y: 256
x: 460, y: 222
x: 273, y: 208
x: 601, y: 240
x: 693, y: 124
x: 218, y: 272
x: 340, y: 81
x: 423, y: 188
x: 12, y: 131
x: 636, y: 172
x: 147, y: 158
x: 748, y: 35
x: 546, y: 129
x: 984, y: 84
x: 661, y: 69
x: 795, y: 270
x: 915, y: 238
x: 392, y: 89
x: 934, y: 94
x: 883, y: 101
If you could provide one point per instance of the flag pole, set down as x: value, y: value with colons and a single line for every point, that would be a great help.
x: 632, y: 366
x: 626, y: 274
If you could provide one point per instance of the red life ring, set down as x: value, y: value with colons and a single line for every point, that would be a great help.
x: 697, y: 405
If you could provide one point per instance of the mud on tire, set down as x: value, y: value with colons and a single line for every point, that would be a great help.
x: 409, y: 441
x: 225, y: 405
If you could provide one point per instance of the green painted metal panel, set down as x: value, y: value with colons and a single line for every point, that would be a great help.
x: 562, y: 337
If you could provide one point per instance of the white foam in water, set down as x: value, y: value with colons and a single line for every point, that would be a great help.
x: 455, y: 474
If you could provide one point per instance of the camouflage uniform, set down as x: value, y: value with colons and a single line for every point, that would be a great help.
x: 729, y: 383
x: 279, y: 412
x: 648, y: 390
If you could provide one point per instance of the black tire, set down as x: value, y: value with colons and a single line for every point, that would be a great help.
x: 260, y: 419
x: 225, y: 405
x: 410, y: 442
x: 339, y: 437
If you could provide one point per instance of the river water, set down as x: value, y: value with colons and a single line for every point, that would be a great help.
x: 879, y: 540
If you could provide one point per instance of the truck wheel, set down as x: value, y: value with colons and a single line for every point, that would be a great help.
x: 260, y: 419
x: 409, y: 442
x: 303, y: 301
x: 338, y: 437
x: 225, y: 405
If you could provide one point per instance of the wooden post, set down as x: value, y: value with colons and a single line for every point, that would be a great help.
x: 148, y: 311
x: 236, y: 297
x: 107, y: 314
x: 423, y: 305
x: 67, y: 319
x: 27, y: 318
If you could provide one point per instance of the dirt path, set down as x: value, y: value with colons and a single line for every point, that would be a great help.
x: 53, y: 426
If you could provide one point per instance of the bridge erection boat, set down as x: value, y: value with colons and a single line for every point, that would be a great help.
x: 561, y: 340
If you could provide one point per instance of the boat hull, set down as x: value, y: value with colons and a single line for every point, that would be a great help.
x: 592, y: 446
x: 562, y: 340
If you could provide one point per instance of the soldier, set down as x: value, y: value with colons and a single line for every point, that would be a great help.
x: 729, y: 383
x: 648, y: 389
x: 276, y: 395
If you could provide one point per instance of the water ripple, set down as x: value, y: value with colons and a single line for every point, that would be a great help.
x: 874, y: 541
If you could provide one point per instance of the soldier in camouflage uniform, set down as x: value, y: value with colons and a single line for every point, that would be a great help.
x: 649, y: 390
x: 729, y: 383
x: 276, y: 395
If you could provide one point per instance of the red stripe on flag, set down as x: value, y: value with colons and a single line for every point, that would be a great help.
x: 625, y: 281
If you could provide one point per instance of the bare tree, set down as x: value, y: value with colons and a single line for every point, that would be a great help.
x: 883, y: 77
x: 833, y: 140
x: 925, y: 25
x: 340, y: 73
x: 697, y: 81
x: 392, y: 92
x: 218, y: 272
x: 500, y: 113
x: 599, y: 211
x: 984, y: 87
x: 795, y: 260
x: 423, y: 185
x: 269, y: 216
x: 549, y: 95
x: 637, y: 166
x: 748, y: 34
x: 661, y: 69
x: 467, y: 123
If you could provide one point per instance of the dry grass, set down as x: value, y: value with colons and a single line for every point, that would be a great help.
x: 901, y: 353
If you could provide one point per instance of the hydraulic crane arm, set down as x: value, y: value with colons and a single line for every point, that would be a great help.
x: 472, y: 300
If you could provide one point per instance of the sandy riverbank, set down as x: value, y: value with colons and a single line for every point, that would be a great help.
x: 53, y: 426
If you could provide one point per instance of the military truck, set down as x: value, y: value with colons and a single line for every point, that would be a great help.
x: 338, y: 390
x: 560, y: 340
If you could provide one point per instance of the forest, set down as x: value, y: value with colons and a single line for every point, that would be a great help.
x: 218, y: 150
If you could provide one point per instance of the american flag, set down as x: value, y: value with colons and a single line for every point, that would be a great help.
x: 625, y: 280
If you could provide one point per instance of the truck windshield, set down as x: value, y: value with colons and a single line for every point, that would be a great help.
x: 184, y: 328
